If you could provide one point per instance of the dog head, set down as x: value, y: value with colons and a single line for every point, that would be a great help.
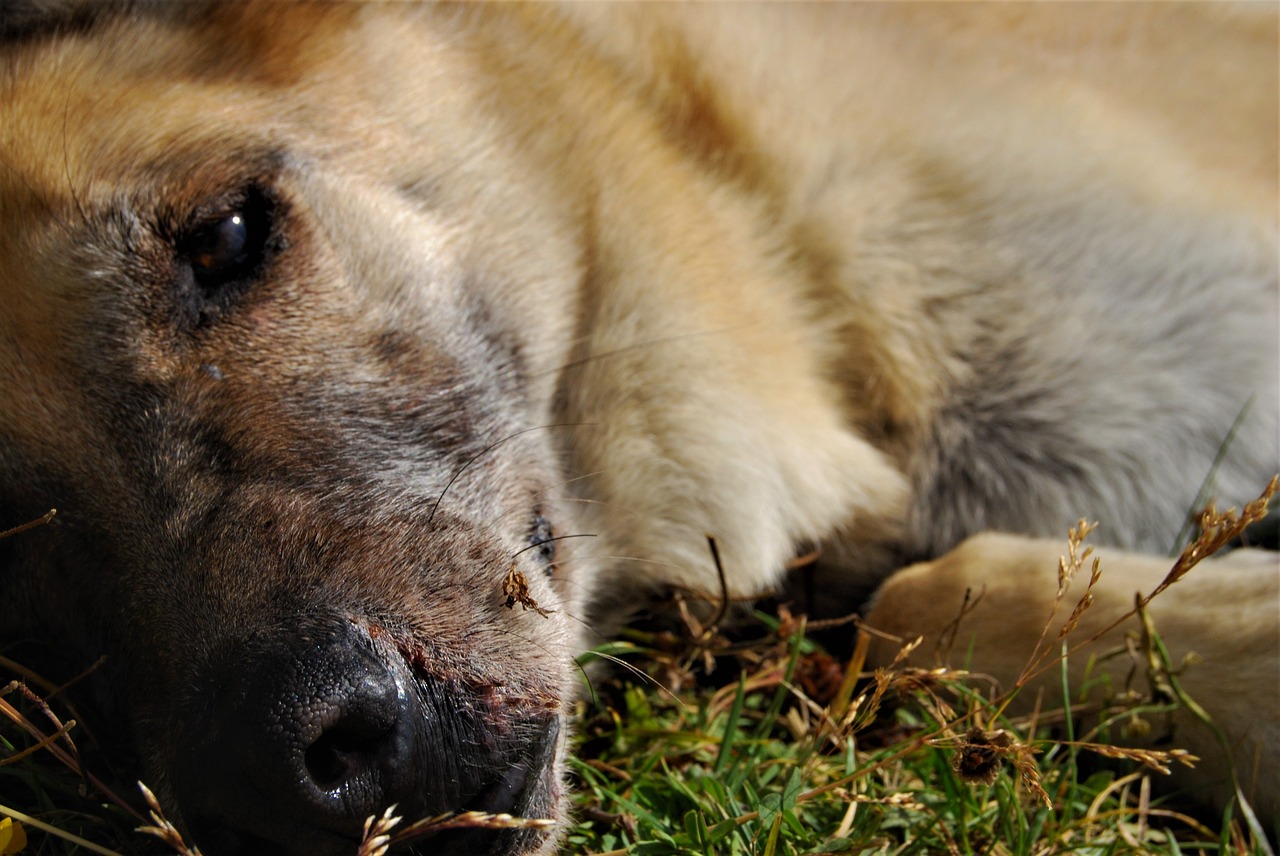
x: 284, y: 376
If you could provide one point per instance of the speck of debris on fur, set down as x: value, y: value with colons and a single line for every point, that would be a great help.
x: 516, y: 589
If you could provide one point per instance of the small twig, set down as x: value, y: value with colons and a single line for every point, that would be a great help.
x: 31, y: 524
x: 43, y: 743
x: 723, y: 609
x: 70, y: 761
x: 947, y: 636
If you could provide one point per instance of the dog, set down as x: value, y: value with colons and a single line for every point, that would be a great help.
x: 378, y: 357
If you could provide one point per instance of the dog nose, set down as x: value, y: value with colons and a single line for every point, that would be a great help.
x: 294, y: 740
x: 292, y: 745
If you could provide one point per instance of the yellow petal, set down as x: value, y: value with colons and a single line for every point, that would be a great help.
x: 13, y: 838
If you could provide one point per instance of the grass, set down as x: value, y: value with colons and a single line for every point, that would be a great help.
x: 761, y: 742
x: 761, y: 766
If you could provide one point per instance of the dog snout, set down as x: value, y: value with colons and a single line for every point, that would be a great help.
x: 292, y: 745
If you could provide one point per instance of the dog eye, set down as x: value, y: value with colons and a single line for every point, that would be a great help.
x: 542, y: 539
x: 231, y: 247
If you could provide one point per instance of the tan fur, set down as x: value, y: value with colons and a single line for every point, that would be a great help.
x: 876, y: 278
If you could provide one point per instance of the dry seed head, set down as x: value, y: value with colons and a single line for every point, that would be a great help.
x: 377, y: 838
x: 900, y: 799
x: 465, y: 820
x: 1217, y: 529
x: 1024, y: 761
x: 161, y: 828
x: 1153, y: 759
x: 1086, y: 600
x: 924, y: 680
x: 905, y: 651
x: 978, y: 757
x: 1070, y: 564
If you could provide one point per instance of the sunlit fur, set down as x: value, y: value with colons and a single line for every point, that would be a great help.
x: 874, y: 278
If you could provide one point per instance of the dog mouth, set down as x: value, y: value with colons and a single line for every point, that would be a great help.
x: 508, y: 815
x: 510, y: 811
x: 515, y: 792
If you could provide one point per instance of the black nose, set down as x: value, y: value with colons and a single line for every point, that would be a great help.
x: 293, y: 742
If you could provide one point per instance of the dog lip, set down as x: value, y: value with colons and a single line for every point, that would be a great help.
x: 502, y: 795
x: 525, y: 786
x: 516, y: 789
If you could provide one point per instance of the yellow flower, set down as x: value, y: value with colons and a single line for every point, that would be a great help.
x: 13, y: 838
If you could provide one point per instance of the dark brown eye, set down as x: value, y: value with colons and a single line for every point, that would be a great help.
x: 230, y: 248
x: 222, y: 246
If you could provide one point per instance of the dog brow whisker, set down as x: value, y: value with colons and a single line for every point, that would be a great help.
x: 537, y: 544
x: 519, y: 509
x: 486, y: 450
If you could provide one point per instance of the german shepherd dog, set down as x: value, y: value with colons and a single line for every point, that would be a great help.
x: 328, y: 329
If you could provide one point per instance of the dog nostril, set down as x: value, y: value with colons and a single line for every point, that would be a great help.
x: 342, y: 752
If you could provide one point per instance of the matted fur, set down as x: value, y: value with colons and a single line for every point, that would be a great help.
x: 873, y: 278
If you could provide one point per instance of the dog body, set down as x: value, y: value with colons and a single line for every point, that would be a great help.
x: 319, y: 320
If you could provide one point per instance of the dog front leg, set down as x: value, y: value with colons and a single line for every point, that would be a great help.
x: 985, y: 607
